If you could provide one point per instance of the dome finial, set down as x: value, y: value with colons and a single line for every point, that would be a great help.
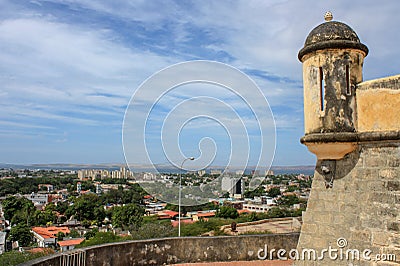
x: 328, y: 16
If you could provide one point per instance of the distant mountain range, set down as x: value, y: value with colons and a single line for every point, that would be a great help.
x: 301, y: 169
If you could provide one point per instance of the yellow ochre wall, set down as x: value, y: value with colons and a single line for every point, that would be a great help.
x: 378, y: 104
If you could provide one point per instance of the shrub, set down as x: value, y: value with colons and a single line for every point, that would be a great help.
x: 15, y: 257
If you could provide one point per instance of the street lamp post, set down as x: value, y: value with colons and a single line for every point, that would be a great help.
x: 180, y: 193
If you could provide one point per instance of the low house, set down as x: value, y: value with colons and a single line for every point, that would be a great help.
x: 203, y: 216
x: 69, y: 244
x: 256, y: 207
x: 148, y: 199
x: 47, y: 236
x: 39, y: 200
x: 167, y: 214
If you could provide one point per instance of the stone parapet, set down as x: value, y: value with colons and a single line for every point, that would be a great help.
x: 168, y: 251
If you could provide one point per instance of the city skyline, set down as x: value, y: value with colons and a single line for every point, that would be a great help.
x: 69, y: 68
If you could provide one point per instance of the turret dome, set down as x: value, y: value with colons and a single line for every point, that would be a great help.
x: 331, y: 34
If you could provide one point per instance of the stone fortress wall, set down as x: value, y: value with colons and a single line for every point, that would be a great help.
x: 378, y: 105
x: 353, y: 127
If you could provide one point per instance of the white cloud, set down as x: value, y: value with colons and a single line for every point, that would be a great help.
x: 58, y: 66
x: 46, y: 62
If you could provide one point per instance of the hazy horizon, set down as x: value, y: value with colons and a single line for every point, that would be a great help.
x: 70, y: 69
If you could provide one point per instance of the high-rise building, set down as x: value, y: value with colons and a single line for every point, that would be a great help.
x: 201, y: 172
x: 235, y: 186
x: 99, y: 190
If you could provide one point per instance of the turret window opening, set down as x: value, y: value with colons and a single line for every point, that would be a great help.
x: 321, y: 88
x: 348, y: 90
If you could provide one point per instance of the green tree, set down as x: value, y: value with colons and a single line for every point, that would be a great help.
x: 273, y: 192
x: 174, y: 207
x: 101, y: 238
x: 225, y: 195
x: 259, y: 191
x: 288, y: 200
x: 227, y: 212
x: 129, y: 216
x: 22, y: 234
x: 62, y: 207
x: 8, y: 187
x: 16, y: 258
x: 84, y: 207
x: 50, y: 207
x: 277, y: 212
x: 20, y: 207
x: 19, y: 217
x: 90, y: 234
x: 44, y: 217
x: 201, y: 227
x: 99, y: 214
x: 252, y: 217
x: 154, y: 230
x: 27, y: 185
x: 74, y: 234
x: 60, y: 236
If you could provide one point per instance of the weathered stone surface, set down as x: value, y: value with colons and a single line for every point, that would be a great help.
x: 363, y: 235
x: 380, y: 238
x: 332, y: 34
x: 388, y: 173
x: 392, y: 185
x: 393, y: 226
x: 361, y: 207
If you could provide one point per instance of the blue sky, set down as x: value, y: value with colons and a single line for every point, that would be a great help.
x: 68, y: 68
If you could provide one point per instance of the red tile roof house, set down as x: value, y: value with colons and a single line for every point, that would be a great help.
x: 203, y: 216
x: 167, y: 214
x: 47, y: 236
x: 69, y: 244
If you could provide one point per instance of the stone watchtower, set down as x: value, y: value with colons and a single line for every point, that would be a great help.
x: 353, y: 127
